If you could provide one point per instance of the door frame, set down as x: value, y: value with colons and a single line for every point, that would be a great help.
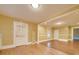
x: 73, y: 32
x: 14, y: 33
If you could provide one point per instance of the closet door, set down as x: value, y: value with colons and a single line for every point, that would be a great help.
x: 20, y: 33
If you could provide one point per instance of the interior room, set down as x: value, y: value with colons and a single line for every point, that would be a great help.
x: 39, y: 29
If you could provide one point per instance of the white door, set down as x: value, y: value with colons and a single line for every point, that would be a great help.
x: 56, y: 34
x: 20, y: 33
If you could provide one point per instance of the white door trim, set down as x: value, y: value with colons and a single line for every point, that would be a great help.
x: 14, y: 34
x: 38, y: 34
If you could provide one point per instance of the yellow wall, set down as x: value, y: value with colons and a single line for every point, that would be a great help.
x: 51, y: 32
x: 6, y: 29
x: 64, y: 33
x: 32, y: 32
x: 42, y: 33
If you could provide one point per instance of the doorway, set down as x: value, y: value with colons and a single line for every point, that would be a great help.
x: 76, y: 34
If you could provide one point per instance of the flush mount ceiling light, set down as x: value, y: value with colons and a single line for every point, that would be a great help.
x: 59, y: 23
x: 35, y: 4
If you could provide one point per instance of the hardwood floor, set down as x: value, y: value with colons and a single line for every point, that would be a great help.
x: 36, y: 49
x: 71, y: 48
x: 46, y: 48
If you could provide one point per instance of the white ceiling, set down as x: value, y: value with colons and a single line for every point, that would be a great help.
x: 26, y: 12
x: 68, y: 19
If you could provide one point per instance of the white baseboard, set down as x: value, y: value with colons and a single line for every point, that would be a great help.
x: 29, y: 43
x: 13, y: 46
x: 44, y: 41
x: 6, y: 47
x: 58, y: 40
x: 63, y: 40
x: 32, y: 43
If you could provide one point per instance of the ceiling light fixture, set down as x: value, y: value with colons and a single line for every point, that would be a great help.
x: 35, y: 4
x: 59, y: 23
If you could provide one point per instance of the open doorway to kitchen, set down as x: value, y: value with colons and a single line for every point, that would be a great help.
x: 76, y: 34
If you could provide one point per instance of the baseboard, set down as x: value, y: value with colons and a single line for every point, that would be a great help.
x: 63, y: 40
x: 31, y: 43
x: 13, y: 46
x: 6, y: 47
x: 44, y: 41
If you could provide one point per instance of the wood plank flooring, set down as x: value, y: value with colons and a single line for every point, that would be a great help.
x: 71, y: 48
x: 52, y: 47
